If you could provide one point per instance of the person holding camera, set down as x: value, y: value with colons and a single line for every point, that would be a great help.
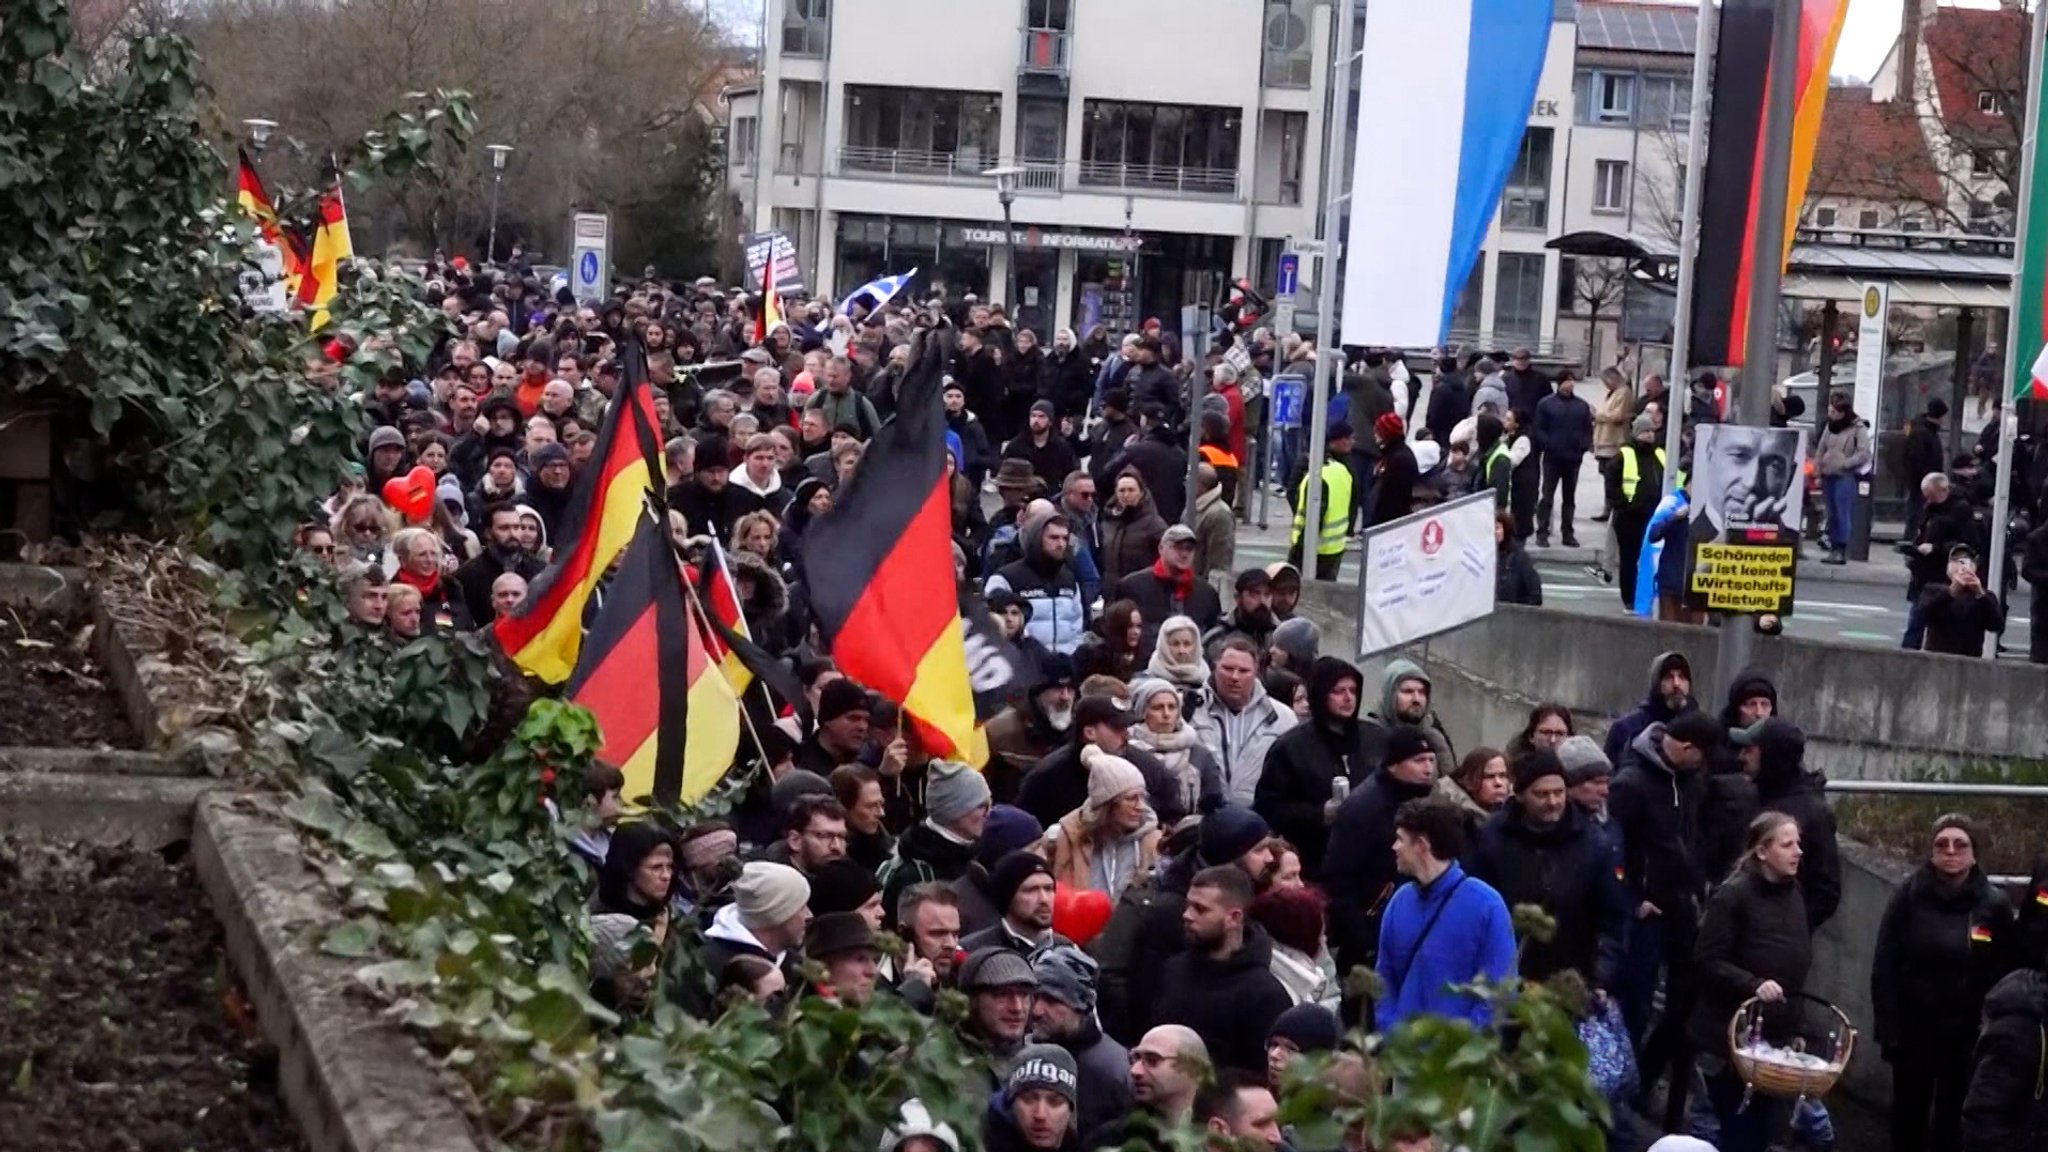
x: 1958, y: 615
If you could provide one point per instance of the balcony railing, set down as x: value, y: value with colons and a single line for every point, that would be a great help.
x: 1216, y: 182
x: 1038, y: 177
x: 1044, y: 52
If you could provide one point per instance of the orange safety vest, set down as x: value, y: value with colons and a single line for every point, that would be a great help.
x: 1218, y: 457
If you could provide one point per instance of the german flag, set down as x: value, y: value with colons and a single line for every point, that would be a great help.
x: 879, y: 567
x: 604, y: 512
x: 721, y: 595
x: 331, y: 245
x: 669, y: 720
x: 256, y: 205
x: 1734, y: 176
x: 771, y: 302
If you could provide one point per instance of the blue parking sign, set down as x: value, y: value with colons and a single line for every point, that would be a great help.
x: 1289, y: 394
x: 1288, y: 279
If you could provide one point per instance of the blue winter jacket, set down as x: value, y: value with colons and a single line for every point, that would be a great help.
x: 1472, y: 938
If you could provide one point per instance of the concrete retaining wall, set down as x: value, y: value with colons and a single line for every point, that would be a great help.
x: 355, y: 1082
x: 1869, y: 713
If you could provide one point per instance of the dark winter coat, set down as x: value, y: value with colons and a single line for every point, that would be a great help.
x: 1230, y: 1003
x: 2006, y: 1109
x: 1957, y: 623
x: 1787, y: 787
x: 922, y: 856
x: 476, y: 577
x: 1358, y: 865
x: 1568, y: 870
x: 1939, y: 952
x: 1515, y: 580
x: 2034, y: 570
x: 1162, y: 461
x: 1051, y: 461
x: 1450, y: 400
x: 1657, y: 810
x: 1306, y: 760
x: 1159, y: 599
x: 1130, y: 540
x: 1923, y: 453
x: 1754, y: 930
x: 1951, y: 522
x: 1069, y: 381
x: 1105, y: 1077
x: 1527, y: 388
x: 1106, y: 443
x: 978, y: 456
x: 1563, y: 427
x: 1393, y: 489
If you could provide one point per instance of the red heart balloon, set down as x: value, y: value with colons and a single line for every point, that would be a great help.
x: 412, y: 495
x: 1079, y: 914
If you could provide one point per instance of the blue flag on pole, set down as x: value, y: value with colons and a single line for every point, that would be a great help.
x: 877, y: 292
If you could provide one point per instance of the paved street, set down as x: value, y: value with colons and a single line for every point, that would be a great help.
x: 1852, y: 604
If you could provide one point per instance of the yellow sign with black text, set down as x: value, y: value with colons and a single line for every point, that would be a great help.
x: 1743, y: 578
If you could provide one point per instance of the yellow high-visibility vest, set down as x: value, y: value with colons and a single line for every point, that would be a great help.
x: 1632, y: 472
x: 1336, y: 508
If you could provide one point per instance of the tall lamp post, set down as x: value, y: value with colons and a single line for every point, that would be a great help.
x: 499, y: 154
x: 1006, y: 191
x: 259, y: 132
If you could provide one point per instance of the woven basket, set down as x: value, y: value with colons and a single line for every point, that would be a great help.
x: 1773, y: 1079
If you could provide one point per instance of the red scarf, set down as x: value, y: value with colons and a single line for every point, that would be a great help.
x: 427, y: 585
x: 1183, y: 582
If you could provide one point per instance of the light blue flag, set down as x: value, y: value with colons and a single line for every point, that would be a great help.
x: 877, y: 292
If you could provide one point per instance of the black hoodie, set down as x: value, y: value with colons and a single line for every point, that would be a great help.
x: 2006, y: 1109
x: 1230, y: 1003
x: 1657, y: 810
x: 631, y: 844
x: 1784, y: 785
x: 1358, y: 865
x: 1568, y: 870
x: 1652, y: 710
x: 1307, y: 759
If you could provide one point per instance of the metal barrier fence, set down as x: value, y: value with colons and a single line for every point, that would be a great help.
x: 1944, y: 788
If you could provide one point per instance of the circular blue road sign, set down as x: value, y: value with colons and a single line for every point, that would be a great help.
x: 586, y: 268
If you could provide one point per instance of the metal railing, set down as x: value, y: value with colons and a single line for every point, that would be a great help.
x: 908, y: 164
x: 1945, y: 788
x: 1038, y: 177
x: 1044, y: 51
x: 1218, y: 182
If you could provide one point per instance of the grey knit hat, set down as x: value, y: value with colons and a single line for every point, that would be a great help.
x: 770, y: 893
x: 953, y: 790
x: 1043, y: 1066
x: 1583, y: 760
x: 1068, y: 975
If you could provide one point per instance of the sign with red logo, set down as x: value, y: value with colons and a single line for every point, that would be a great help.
x: 1427, y: 573
x: 1432, y: 538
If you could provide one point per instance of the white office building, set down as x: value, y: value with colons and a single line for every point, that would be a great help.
x: 1159, y: 139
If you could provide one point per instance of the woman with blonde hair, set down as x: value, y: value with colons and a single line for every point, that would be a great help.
x: 1112, y: 838
x: 1753, y: 942
x: 363, y: 528
x: 421, y: 568
x: 756, y: 532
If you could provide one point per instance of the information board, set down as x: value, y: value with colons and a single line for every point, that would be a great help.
x: 1427, y: 573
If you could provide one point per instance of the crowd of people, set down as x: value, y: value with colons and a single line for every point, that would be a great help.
x: 1192, y: 822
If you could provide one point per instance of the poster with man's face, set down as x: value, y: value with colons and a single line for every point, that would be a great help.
x: 1746, y: 484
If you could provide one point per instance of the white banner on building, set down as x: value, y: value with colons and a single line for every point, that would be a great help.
x: 1427, y: 573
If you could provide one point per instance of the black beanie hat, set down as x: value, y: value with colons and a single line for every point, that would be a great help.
x: 839, y: 697
x: 841, y: 886
x: 1010, y: 873
x: 1534, y: 765
x: 1404, y: 742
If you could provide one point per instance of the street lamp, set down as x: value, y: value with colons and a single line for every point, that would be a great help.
x: 259, y: 132
x: 1006, y: 191
x: 499, y: 153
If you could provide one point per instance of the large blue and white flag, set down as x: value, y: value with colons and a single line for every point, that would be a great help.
x: 877, y: 292
x: 1445, y: 92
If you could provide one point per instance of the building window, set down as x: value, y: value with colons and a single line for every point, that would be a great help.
x: 1518, y: 298
x: 1989, y: 103
x: 921, y: 129
x: 1912, y: 224
x: 1526, y: 203
x: 1290, y: 53
x: 1824, y: 217
x: 1293, y: 145
x: 1867, y: 219
x: 1667, y: 102
x: 806, y: 27
x: 1169, y: 146
x: 1465, y: 314
x: 1610, y: 185
x: 1049, y: 15
x: 1614, y: 98
x: 746, y: 139
x: 1986, y: 161
x: 1982, y: 215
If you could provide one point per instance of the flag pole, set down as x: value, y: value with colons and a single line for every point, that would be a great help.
x: 2015, y: 365
x: 1704, y: 44
x: 1767, y: 279
x: 1327, y: 356
x: 701, y: 619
